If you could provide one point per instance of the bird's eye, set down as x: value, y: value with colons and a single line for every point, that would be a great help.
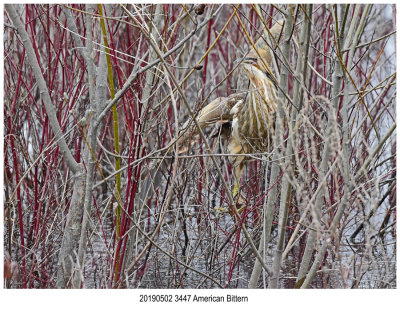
x: 251, y: 59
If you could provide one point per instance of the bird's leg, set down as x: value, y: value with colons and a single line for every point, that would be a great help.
x: 236, y: 189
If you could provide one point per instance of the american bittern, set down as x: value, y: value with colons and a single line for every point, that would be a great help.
x: 251, y: 114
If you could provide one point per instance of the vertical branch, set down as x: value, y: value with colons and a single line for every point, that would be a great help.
x: 91, y: 55
x: 116, y: 134
x: 338, y: 79
x: 301, y: 70
x: 255, y: 274
x: 89, y: 154
x: 115, y: 116
x: 71, y: 233
x: 317, y: 207
x: 86, y: 53
x: 285, y: 191
x: 145, y: 187
x: 275, y: 169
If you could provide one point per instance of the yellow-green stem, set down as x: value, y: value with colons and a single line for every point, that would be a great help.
x: 115, y: 126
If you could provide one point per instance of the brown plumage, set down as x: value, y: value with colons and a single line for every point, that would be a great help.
x: 252, y: 118
x: 250, y: 113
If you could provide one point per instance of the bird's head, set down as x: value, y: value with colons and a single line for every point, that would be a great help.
x: 254, y: 69
x: 253, y: 61
x: 250, y: 63
x: 246, y: 60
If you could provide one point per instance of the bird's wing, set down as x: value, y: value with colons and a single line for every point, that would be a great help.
x: 219, y: 110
